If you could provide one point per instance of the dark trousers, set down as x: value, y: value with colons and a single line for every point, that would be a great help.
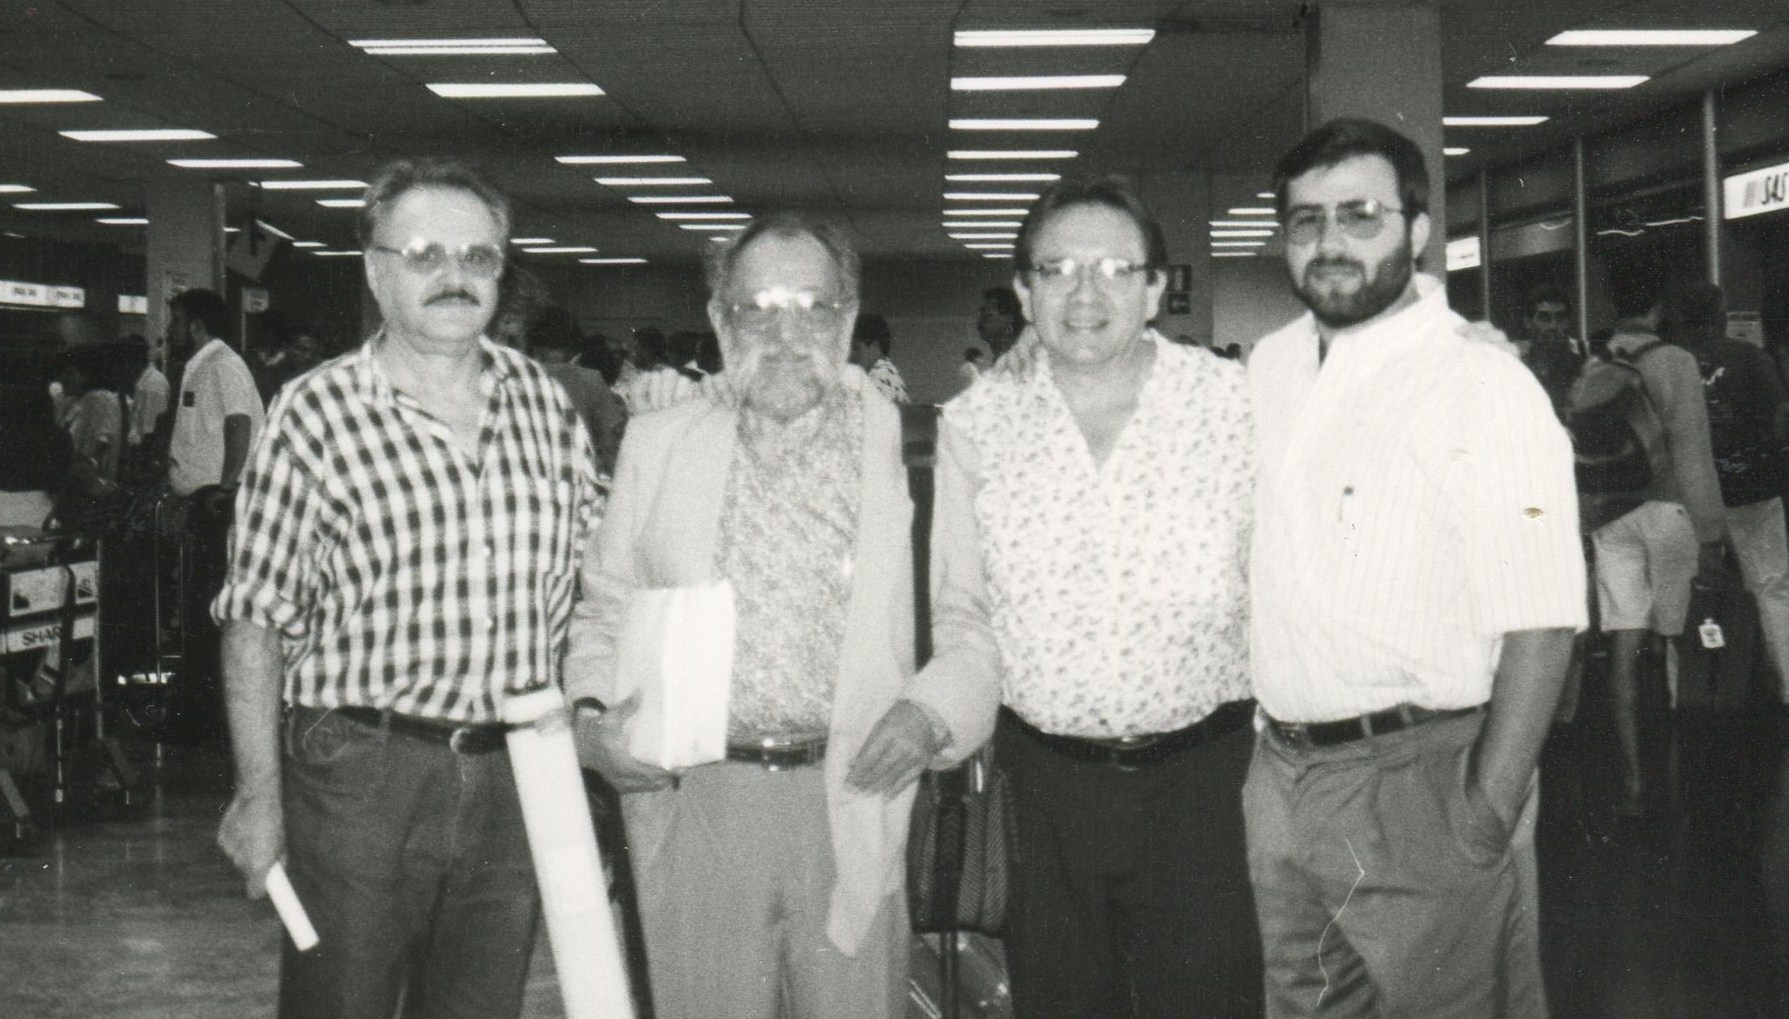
x: 196, y: 702
x: 1130, y: 889
x: 413, y: 864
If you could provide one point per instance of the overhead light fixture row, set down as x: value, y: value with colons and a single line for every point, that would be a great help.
x: 1000, y: 236
x: 706, y: 216
x: 1242, y: 233
x: 250, y: 163
x: 308, y: 244
x: 1251, y: 210
x: 65, y: 206
x: 1023, y: 124
x: 368, y: 44
x: 1261, y: 223
x: 122, y: 220
x: 613, y: 261
x: 1035, y: 82
x: 1040, y: 37
x: 650, y: 182
x: 1522, y: 121
x: 984, y: 212
x: 531, y: 240
x: 340, y: 184
x: 1234, y: 254
x: 16, y: 189
x: 1454, y: 150
x: 342, y: 203
x: 989, y: 245
x: 712, y: 226
x: 990, y: 196
x: 148, y: 134
x: 981, y: 224
x: 625, y: 160
x: 1012, y: 154
x: 336, y: 254
x: 46, y: 95
x: 562, y: 250
x: 680, y: 199
x: 1651, y: 37
x: 518, y: 47
x: 514, y: 90
x: 1559, y: 82
x: 1238, y: 244
x: 1002, y: 178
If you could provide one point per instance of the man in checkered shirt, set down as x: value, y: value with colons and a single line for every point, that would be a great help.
x: 404, y: 556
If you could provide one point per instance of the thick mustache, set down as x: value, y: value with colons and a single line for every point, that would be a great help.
x: 1333, y: 263
x: 452, y: 295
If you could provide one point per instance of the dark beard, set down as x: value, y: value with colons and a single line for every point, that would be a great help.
x: 1340, y: 311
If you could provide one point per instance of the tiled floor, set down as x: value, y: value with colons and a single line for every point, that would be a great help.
x: 142, y: 917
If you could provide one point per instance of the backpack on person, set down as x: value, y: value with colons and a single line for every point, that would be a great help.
x: 1748, y: 458
x: 1609, y: 455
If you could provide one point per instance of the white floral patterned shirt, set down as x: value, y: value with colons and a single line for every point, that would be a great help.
x: 1106, y: 599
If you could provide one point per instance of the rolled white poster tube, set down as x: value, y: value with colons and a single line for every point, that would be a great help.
x: 291, y: 911
x: 562, y: 840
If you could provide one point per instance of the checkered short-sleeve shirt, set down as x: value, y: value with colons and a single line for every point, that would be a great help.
x: 399, y: 571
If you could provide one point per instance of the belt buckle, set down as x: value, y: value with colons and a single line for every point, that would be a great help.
x: 1123, y: 749
x: 1296, y: 734
x: 460, y: 740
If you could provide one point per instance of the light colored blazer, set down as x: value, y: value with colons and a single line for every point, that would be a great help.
x: 661, y: 529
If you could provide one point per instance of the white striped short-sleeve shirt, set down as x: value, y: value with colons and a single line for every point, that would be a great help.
x: 1416, y: 502
x: 400, y: 571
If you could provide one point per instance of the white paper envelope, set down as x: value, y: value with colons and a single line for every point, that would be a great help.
x: 676, y: 649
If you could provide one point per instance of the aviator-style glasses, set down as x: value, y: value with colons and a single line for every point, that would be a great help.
x: 1107, y: 272
x: 483, y: 260
x: 1362, y: 220
x: 809, y: 309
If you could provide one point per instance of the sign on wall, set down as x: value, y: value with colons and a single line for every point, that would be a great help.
x: 1757, y: 192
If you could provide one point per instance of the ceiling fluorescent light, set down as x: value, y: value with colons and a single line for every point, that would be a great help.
x: 64, y: 206
x: 336, y: 254
x: 712, y: 226
x: 984, y: 212
x: 1012, y: 37
x: 1002, y: 178
x: 1238, y: 244
x: 981, y: 224
x: 307, y: 244
x: 267, y: 227
x: 1023, y: 124
x: 680, y: 199
x: 1267, y: 223
x: 15, y: 189
x: 704, y: 215
x: 1005, y: 236
x: 461, y: 51
x: 989, y: 245
x: 1233, y: 254
x: 613, y: 261
x: 1242, y: 233
x: 998, y: 254
x: 1265, y: 194
x: 1035, y: 82
x: 990, y: 196
x: 151, y: 134
x: 531, y: 240
x: 1558, y: 81
x: 1524, y: 121
x: 46, y: 95
x: 616, y: 160
x: 1013, y: 153
x: 1455, y: 151
x: 1651, y: 37
x: 514, y: 90
x: 1249, y: 210
x: 313, y: 185
x: 652, y: 182
x: 341, y: 203
x: 123, y: 220
x: 561, y: 250
x: 236, y: 164
x: 367, y: 44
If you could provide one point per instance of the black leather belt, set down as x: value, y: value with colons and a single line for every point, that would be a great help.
x: 461, y: 739
x: 1309, y: 735
x: 776, y: 755
x: 1137, y: 751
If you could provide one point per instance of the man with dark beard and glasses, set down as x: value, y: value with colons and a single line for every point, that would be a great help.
x: 1416, y: 582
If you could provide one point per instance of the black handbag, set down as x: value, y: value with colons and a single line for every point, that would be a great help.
x: 957, y: 849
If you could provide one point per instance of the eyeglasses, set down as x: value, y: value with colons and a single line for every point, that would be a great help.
x: 760, y: 311
x: 1361, y: 220
x: 485, y: 260
x: 1107, y: 272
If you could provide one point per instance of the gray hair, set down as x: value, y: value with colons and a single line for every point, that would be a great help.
x: 396, y: 178
x: 724, y: 257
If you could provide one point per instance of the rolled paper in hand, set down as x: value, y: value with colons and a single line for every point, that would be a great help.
x: 291, y: 911
x: 573, y: 894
